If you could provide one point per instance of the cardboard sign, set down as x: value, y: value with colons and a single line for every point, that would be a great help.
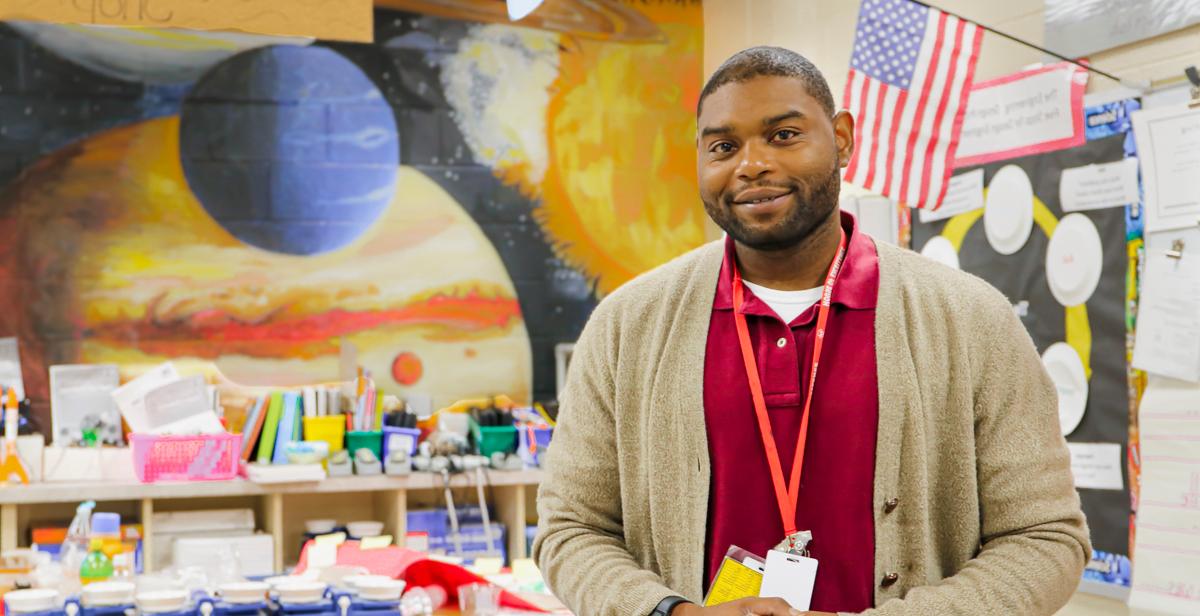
x: 343, y: 20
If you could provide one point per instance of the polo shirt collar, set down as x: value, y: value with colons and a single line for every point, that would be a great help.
x: 854, y: 289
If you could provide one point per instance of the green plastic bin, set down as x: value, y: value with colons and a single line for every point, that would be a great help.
x: 372, y: 440
x: 491, y: 439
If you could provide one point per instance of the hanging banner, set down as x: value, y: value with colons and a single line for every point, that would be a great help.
x: 342, y: 20
x: 1030, y: 112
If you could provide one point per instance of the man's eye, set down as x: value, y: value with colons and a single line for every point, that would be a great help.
x: 786, y: 134
x: 723, y: 147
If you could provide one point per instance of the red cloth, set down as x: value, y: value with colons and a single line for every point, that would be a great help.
x: 416, y: 569
x: 837, y: 485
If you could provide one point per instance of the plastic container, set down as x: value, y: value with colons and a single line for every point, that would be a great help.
x: 30, y: 600
x: 400, y: 438
x: 108, y: 594
x: 97, y: 567
x: 422, y: 600
x: 202, y: 457
x: 435, y: 522
x: 329, y: 428
x: 244, y: 592
x: 320, y: 526
x: 493, y: 439
x: 160, y: 601
x: 301, y: 592
x: 532, y: 442
x: 372, y: 440
x: 479, y: 599
x: 358, y: 530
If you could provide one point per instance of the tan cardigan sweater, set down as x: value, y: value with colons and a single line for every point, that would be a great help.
x: 987, y: 522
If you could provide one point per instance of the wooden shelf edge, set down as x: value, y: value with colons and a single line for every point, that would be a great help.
x: 133, y: 491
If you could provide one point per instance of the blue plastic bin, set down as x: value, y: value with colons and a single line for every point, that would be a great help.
x: 400, y: 438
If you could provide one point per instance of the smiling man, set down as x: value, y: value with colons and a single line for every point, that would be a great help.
x: 800, y: 379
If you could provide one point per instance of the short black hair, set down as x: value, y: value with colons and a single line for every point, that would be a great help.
x: 766, y: 61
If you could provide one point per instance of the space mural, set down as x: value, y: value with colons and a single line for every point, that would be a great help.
x: 452, y: 200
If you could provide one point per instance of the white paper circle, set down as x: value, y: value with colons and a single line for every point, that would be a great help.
x: 1008, y: 210
x: 1066, y: 370
x: 941, y: 250
x: 1074, y: 259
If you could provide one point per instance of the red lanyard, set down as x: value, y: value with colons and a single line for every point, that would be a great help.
x: 788, y: 496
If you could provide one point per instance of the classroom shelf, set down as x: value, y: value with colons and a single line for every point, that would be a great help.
x: 388, y: 496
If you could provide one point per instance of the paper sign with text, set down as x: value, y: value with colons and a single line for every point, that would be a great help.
x: 1097, y: 465
x: 964, y: 194
x: 1098, y: 186
x: 342, y: 20
x: 1025, y: 113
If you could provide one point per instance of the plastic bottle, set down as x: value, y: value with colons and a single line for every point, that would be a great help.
x: 97, y: 567
x: 107, y: 528
x: 422, y: 600
x: 75, y: 548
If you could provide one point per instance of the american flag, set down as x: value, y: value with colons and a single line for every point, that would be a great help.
x: 910, y: 75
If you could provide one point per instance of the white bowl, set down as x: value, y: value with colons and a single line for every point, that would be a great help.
x: 358, y: 530
x: 31, y: 600
x: 157, y: 601
x: 281, y: 580
x: 301, y: 592
x: 379, y: 588
x: 320, y: 527
x: 244, y: 592
x: 107, y: 594
x: 352, y: 581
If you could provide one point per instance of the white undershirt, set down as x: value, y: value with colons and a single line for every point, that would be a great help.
x: 787, y: 304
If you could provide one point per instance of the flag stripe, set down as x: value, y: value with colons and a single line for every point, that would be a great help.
x: 910, y: 120
x: 963, y: 92
x: 860, y: 121
x: 927, y: 129
x: 918, y: 120
x: 935, y: 135
x: 901, y: 106
x: 945, y: 135
x: 890, y: 98
x: 879, y: 90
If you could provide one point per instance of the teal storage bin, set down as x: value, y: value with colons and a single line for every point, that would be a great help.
x: 491, y: 439
x: 372, y: 440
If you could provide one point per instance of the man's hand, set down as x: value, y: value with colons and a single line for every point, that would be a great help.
x: 744, y: 607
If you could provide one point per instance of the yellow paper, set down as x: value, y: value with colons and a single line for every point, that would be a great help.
x: 345, y: 20
x: 375, y: 543
x: 487, y: 566
x: 322, y: 554
x: 734, y: 581
x: 334, y: 538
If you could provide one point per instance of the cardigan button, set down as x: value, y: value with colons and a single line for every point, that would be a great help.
x: 889, y: 579
x: 891, y: 505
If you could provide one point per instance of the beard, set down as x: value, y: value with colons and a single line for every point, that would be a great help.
x: 812, y: 204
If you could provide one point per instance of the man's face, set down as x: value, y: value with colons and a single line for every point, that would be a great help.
x: 768, y: 160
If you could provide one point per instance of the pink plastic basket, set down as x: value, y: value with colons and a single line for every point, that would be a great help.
x: 203, y: 457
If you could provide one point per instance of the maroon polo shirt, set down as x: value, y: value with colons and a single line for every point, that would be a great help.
x: 837, y: 483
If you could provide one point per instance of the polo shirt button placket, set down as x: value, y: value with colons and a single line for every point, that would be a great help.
x: 889, y: 579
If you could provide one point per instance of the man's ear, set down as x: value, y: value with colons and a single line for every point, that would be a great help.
x: 843, y: 135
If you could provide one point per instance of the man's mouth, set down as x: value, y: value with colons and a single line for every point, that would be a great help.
x: 757, y: 199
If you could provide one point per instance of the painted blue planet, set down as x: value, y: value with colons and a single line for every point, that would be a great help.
x: 291, y: 149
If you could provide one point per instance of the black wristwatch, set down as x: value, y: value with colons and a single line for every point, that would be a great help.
x: 666, y: 605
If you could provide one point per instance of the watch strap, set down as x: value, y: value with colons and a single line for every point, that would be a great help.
x: 666, y: 605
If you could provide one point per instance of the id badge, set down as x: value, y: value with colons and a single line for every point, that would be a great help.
x: 739, y: 577
x: 789, y: 577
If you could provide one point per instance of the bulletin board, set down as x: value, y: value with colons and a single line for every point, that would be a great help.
x: 1096, y: 328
